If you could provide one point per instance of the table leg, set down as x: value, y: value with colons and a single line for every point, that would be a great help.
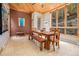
x: 29, y: 36
x: 47, y: 43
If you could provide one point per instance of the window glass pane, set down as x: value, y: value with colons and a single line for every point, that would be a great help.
x: 39, y: 23
x: 62, y: 30
x: 21, y: 22
x: 54, y: 19
x: 72, y: 15
x: 71, y: 31
x: 61, y: 17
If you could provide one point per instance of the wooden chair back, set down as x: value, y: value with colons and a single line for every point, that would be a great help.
x: 57, y: 32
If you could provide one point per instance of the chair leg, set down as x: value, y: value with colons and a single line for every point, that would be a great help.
x: 29, y: 37
x: 41, y: 46
x: 58, y: 44
x: 53, y: 45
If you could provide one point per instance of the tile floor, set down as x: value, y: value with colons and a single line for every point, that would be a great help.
x: 21, y: 46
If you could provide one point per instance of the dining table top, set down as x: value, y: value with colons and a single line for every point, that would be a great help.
x: 44, y: 32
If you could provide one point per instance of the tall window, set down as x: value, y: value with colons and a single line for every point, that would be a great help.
x: 61, y: 17
x: 71, y: 19
x: 72, y: 15
x: 21, y: 22
x: 54, y: 19
x: 61, y: 20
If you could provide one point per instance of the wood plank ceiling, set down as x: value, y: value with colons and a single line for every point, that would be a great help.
x: 34, y: 7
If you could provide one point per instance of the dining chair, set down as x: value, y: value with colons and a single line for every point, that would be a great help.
x: 57, y: 33
x: 52, y: 38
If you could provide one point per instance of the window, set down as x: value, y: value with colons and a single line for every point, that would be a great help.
x: 61, y: 20
x: 54, y: 19
x: 71, y: 31
x: 39, y: 23
x: 72, y: 15
x: 71, y: 19
x: 69, y: 14
x: 61, y: 17
x: 61, y: 30
x: 21, y: 22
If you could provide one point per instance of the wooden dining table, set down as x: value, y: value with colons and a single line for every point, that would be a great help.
x: 47, y: 36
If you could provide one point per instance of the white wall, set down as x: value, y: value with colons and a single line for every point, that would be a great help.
x: 5, y: 35
x: 4, y: 39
